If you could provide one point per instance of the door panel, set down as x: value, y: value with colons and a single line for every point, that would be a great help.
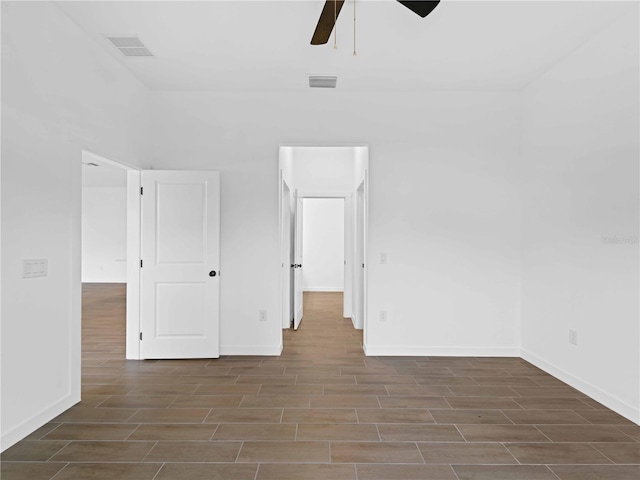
x: 181, y: 218
x: 184, y: 301
x: 180, y: 281
x: 298, y: 302
x: 287, y: 257
x: 358, y: 311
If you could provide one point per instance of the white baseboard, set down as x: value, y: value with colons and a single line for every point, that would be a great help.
x: 29, y: 426
x: 608, y: 400
x: 324, y: 289
x: 108, y: 280
x: 269, y: 351
x: 418, y: 351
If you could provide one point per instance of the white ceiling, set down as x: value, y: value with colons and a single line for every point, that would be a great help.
x: 264, y: 45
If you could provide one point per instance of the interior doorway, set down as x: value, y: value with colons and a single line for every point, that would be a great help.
x: 320, y: 251
x: 110, y: 245
x: 323, y: 244
x: 322, y: 254
x: 314, y: 175
x: 180, y: 276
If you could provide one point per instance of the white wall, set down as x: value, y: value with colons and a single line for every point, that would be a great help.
x: 444, y: 206
x: 324, y: 170
x: 580, y: 204
x: 104, y: 234
x: 60, y: 94
x: 323, y: 245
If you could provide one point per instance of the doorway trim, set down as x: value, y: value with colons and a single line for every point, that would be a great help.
x: 349, y: 238
x: 349, y: 251
x: 132, y: 341
x: 361, y: 159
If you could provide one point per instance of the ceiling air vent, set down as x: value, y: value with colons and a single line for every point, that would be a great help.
x: 130, y: 46
x: 323, y: 81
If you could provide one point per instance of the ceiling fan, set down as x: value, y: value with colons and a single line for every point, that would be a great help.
x: 332, y: 9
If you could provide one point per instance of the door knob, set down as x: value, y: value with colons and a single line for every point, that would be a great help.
x: 212, y: 273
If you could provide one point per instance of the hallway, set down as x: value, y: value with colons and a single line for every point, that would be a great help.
x: 322, y: 410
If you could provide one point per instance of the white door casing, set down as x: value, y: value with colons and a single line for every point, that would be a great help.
x: 298, y: 264
x: 180, y: 251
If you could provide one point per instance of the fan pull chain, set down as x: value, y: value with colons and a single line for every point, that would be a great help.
x: 335, y: 26
x: 354, y: 28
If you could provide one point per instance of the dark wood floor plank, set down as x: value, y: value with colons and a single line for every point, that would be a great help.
x: 321, y: 410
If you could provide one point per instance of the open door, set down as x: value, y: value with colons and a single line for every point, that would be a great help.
x: 287, y: 259
x: 180, y: 252
x: 360, y: 257
x: 297, y: 264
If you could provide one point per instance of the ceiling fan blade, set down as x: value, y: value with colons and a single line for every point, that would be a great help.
x: 422, y: 8
x: 326, y: 22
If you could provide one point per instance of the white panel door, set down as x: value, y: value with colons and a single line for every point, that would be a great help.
x: 297, y: 277
x: 286, y: 260
x: 180, y: 251
x: 360, y: 257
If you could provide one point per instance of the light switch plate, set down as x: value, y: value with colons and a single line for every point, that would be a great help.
x: 35, y: 267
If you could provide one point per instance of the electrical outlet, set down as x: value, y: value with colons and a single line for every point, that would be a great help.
x: 383, y: 315
x: 262, y: 315
x: 573, y: 337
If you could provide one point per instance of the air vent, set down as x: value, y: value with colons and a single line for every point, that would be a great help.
x: 126, y: 41
x: 323, y: 81
x: 136, y: 52
x: 130, y: 46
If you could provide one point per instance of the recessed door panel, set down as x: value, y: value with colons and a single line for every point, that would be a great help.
x: 181, y: 210
x: 180, y: 310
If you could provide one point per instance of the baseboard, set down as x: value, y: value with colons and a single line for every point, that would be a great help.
x: 324, y: 289
x: 29, y: 426
x: 264, y: 350
x: 94, y: 281
x: 419, y: 351
x: 608, y: 400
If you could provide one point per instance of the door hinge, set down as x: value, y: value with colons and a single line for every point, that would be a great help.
x: 140, y: 263
x: 141, y: 190
x: 140, y: 335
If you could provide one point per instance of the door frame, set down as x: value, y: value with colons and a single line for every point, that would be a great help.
x: 134, y: 204
x: 361, y: 159
x: 349, y: 237
x: 349, y: 251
